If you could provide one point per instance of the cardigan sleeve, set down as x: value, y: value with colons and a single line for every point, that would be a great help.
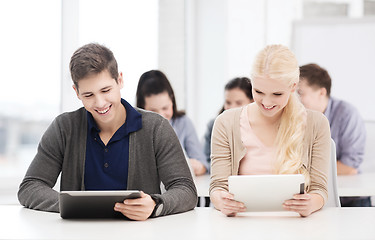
x: 221, y: 155
x: 320, y: 156
x: 173, y: 170
x: 35, y: 190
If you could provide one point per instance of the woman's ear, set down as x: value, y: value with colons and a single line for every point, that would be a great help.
x: 294, y: 87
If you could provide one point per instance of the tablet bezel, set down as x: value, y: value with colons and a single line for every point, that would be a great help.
x: 93, y: 204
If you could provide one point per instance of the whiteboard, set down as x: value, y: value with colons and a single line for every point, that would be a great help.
x: 346, y: 49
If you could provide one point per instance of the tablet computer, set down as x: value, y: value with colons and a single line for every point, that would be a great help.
x: 262, y: 193
x: 93, y: 204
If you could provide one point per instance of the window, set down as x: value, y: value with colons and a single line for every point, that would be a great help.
x: 30, y: 83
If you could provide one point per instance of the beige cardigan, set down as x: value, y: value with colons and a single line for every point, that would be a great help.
x: 227, y: 150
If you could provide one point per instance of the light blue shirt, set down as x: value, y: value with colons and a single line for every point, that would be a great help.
x: 188, y: 137
x: 347, y: 130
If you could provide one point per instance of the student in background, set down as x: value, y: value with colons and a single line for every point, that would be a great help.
x: 237, y: 93
x: 155, y: 93
x: 109, y: 145
x: 273, y: 135
x: 347, y: 127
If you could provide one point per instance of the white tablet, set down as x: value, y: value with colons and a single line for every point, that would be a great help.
x: 93, y: 204
x: 262, y: 193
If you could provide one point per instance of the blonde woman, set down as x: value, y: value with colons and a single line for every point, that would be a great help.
x: 273, y: 135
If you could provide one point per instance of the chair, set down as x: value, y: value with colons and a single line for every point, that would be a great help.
x: 368, y: 164
x: 333, y: 196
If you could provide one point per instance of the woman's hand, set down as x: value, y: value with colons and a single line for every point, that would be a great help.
x: 198, y: 167
x: 137, y: 209
x: 304, y: 204
x: 224, y: 201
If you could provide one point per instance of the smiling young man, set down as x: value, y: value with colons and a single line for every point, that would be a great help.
x: 109, y: 145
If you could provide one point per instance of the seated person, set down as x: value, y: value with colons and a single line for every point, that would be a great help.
x: 237, y: 93
x: 347, y: 127
x: 155, y: 93
x: 273, y: 135
x: 109, y: 145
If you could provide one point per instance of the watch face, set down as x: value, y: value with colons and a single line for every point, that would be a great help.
x: 159, y: 209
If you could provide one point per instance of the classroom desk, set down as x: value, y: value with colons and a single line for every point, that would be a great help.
x: 17, y: 222
x: 362, y: 184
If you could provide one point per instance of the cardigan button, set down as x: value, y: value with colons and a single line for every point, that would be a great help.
x: 106, y: 165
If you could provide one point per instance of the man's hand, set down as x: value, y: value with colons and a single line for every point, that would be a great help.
x: 198, y: 167
x: 343, y: 169
x: 137, y: 209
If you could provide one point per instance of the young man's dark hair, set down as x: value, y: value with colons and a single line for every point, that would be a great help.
x: 316, y: 76
x: 92, y: 59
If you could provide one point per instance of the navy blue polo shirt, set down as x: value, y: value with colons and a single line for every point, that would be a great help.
x: 106, y: 166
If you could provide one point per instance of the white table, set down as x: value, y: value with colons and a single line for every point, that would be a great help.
x: 17, y: 222
x: 362, y: 184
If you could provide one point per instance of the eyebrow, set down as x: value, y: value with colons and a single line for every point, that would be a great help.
x: 257, y: 90
x: 86, y: 93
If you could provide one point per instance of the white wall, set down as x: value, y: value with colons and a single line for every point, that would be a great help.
x: 221, y: 40
x: 211, y: 58
x: 346, y: 48
x: 172, y: 51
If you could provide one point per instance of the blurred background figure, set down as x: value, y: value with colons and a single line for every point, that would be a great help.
x: 237, y: 93
x: 347, y: 127
x: 155, y: 93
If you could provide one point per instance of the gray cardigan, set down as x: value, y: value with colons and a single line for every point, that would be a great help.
x: 155, y: 155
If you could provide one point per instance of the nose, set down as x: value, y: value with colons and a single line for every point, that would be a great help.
x: 100, y: 101
x: 266, y: 101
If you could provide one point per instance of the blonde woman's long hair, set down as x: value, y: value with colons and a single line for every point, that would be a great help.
x: 279, y: 63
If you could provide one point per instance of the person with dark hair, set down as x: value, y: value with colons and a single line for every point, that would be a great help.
x: 347, y: 127
x: 109, y: 145
x: 237, y: 93
x: 155, y: 93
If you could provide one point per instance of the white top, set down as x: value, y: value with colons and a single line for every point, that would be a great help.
x: 202, y: 223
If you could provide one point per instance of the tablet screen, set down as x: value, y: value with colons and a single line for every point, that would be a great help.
x: 265, y: 192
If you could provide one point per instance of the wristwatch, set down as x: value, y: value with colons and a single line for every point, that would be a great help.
x: 158, y: 206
